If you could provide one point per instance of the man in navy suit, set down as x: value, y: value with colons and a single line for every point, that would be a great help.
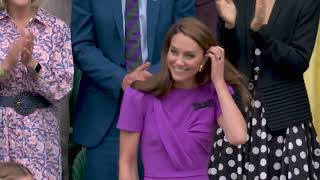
x: 98, y: 39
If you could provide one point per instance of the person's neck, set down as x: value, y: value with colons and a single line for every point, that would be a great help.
x: 21, y: 15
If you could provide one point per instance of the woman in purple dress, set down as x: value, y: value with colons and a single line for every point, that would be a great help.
x: 36, y: 69
x: 173, y: 114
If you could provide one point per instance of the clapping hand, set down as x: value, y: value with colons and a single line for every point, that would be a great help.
x: 227, y: 11
x: 26, y: 53
x: 262, y: 13
x: 12, y: 56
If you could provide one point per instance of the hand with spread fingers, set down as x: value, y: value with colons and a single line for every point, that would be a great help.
x: 217, y: 56
x: 227, y: 11
x: 140, y: 74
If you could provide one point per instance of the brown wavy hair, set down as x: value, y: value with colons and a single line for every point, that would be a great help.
x: 161, y: 83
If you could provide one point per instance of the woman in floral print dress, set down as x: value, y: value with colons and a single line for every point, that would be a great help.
x: 36, y: 59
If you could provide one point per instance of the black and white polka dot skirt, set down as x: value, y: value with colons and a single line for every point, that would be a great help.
x: 293, y: 153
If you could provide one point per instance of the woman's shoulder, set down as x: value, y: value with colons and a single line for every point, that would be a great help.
x: 213, y: 90
x: 137, y: 95
x: 135, y: 92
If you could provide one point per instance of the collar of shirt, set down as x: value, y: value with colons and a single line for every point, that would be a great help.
x: 39, y: 16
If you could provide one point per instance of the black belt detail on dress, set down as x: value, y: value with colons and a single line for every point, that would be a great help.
x: 207, y: 103
x: 24, y: 103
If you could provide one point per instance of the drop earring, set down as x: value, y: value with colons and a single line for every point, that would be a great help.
x: 201, y: 68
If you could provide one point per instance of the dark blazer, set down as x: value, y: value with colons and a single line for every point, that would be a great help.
x: 98, y: 49
x: 286, y: 44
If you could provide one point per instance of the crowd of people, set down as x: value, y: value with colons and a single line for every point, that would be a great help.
x: 163, y: 95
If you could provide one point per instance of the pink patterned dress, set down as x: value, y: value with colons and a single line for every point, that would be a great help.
x: 33, y: 140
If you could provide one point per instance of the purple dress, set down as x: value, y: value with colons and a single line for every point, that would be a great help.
x: 176, y: 131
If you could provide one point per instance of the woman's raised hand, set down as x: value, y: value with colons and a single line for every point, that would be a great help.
x: 217, y: 56
x: 227, y: 11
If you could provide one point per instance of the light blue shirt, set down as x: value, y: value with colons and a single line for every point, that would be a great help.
x: 143, y: 26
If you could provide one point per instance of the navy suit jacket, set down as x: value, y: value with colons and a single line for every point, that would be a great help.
x: 98, y: 49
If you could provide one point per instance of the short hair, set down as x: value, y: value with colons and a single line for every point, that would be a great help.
x: 13, y: 170
x: 34, y: 3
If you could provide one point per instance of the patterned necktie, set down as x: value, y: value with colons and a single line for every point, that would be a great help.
x: 132, y: 35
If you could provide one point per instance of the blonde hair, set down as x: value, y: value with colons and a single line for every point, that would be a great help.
x: 34, y: 4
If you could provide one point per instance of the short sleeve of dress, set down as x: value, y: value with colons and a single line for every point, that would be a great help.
x: 217, y: 107
x: 132, y: 111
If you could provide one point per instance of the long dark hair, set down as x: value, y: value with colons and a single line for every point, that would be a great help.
x: 161, y: 83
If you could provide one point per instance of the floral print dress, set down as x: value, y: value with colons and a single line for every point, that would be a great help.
x: 33, y: 140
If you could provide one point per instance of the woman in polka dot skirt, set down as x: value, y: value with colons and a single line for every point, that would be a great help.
x: 270, y: 41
